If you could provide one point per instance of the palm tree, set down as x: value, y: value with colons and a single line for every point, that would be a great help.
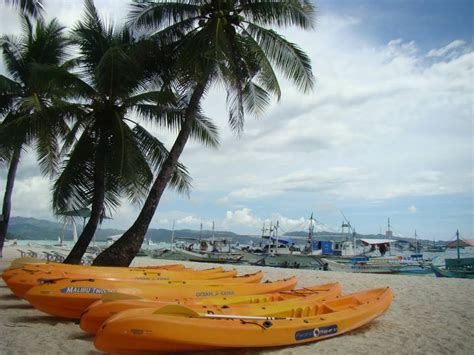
x: 32, y: 8
x: 25, y: 103
x: 109, y: 154
x: 225, y: 41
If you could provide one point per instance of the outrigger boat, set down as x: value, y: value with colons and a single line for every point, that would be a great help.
x: 456, y: 268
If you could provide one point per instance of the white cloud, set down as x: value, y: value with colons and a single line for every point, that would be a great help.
x: 244, y: 218
x: 412, y: 209
x: 193, y: 221
x: 441, y: 52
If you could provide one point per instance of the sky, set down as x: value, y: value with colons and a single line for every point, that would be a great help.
x: 387, y: 131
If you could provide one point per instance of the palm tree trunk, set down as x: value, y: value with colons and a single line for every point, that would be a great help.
x: 122, y: 252
x: 79, y: 249
x: 7, y: 198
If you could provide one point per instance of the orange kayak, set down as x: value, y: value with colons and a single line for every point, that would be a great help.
x: 176, y: 328
x: 69, y: 298
x: 275, y: 304
x: 106, y: 271
x: 21, y: 283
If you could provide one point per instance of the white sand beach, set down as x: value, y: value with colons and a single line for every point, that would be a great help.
x: 427, y: 316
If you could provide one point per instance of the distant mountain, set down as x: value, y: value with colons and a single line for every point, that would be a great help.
x: 37, y: 229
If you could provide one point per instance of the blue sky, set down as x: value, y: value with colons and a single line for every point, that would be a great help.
x: 430, y: 23
x: 387, y: 132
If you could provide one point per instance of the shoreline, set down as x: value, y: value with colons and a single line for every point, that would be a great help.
x: 428, y: 315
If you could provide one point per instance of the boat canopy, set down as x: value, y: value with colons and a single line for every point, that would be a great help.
x: 377, y: 241
x: 283, y: 240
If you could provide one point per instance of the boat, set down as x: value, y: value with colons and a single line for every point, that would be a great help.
x: 281, y: 251
x: 456, y: 268
x: 69, y: 298
x: 110, y: 304
x: 177, y: 328
x: 211, y: 250
x: 361, y: 265
x: 105, y: 271
x: 20, y: 284
x: 209, y: 257
x: 460, y: 274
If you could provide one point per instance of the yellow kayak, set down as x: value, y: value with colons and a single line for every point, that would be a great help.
x: 178, y: 328
x: 22, y: 282
x: 267, y: 304
x: 104, y: 271
x: 28, y: 260
x: 69, y: 298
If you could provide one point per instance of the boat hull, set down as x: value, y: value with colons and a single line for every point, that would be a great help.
x: 453, y: 273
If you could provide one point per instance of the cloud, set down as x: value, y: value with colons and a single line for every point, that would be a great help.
x: 412, y: 209
x: 443, y: 51
x: 244, y: 218
x: 193, y: 221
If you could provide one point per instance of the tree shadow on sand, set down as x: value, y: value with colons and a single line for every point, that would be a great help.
x: 16, y: 306
x: 41, y: 319
x: 9, y: 297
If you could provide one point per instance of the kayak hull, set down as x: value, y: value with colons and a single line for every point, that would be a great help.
x: 103, y: 271
x: 70, y: 298
x: 176, y: 333
x: 20, y: 284
x: 275, y: 305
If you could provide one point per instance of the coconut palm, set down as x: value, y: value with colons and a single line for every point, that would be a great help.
x: 109, y: 154
x: 32, y: 8
x: 25, y: 103
x: 218, y: 41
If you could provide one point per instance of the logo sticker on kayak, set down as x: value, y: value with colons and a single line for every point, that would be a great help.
x: 315, y: 332
x: 214, y: 293
x: 93, y: 290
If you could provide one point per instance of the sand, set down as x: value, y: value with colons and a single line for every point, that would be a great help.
x: 427, y: 316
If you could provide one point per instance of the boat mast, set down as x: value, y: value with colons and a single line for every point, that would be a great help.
x: 416, y: 243
x: 353, y: 240
x: 310, y: 234
x: 172, y: 238
x: 212, y: 232
x: 389, y: 233
x: 270, y: 231
x: 457, y: 245
x: 200, y: 234
x: 276, y: 235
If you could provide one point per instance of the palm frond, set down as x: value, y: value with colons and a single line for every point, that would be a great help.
x: 205, y: 131
x: 9, y: 91
x: 74, y: 187
x: 156, y: 154
x: 159, y: 15
x: 11, y: 50
x: 33, y: 8
x: 266, y: 75
x: 282, y: 13
x: 286, y: 56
